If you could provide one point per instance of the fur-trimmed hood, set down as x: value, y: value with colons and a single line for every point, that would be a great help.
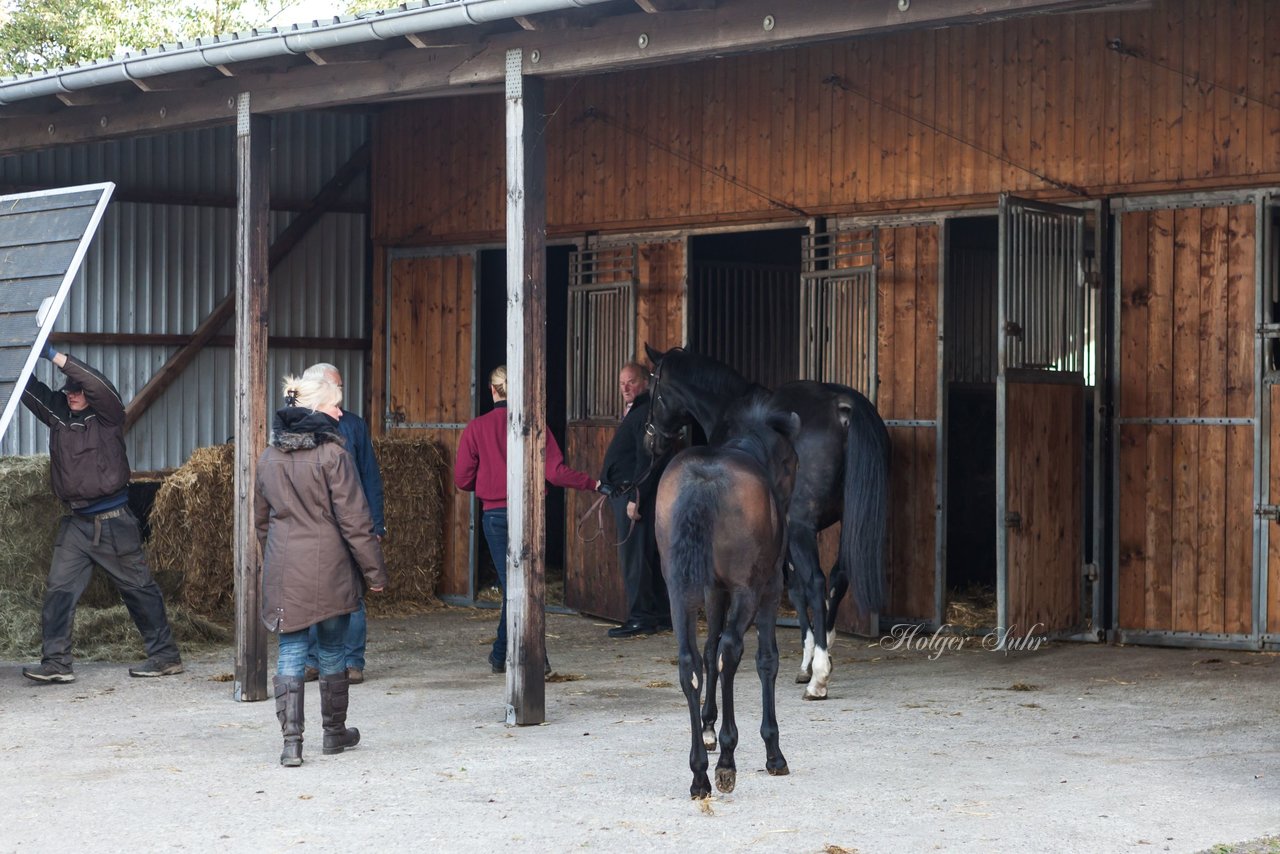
x: 296, y: 428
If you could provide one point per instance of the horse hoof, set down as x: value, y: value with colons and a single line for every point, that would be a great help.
x: 701, y: 788
x: 709, y: 741
x: 726, y: 779
x: 779, y: 772
x: 803, y: 677
x: 809, y: 696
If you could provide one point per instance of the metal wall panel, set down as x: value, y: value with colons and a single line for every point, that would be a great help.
x: 160, y: 269
x: 308, y: 149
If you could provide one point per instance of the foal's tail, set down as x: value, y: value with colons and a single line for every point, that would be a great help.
x: 694, y: 517
x: 866, y: 504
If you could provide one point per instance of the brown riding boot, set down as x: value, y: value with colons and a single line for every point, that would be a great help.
x: 289, y: 711
x: 333, y: 709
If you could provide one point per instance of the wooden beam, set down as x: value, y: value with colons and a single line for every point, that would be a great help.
x: 129, y: 339
x: 200, y: 200
x: 283, y: 245
x: 614, y: 44
x: 443, y: 67
x: 526, y: 396
x: 253, y: 224
x: 655, y: 6
x: 402, y: 73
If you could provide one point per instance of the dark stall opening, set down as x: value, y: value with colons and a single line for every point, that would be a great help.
x: 491, y: 351
x: 970, y: 366
x: 744, y: 302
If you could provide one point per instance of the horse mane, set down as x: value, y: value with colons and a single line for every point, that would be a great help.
x: 749, y: 431
x: 710, y: 376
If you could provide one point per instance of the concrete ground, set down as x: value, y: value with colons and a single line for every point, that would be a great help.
x: 1064, y: 748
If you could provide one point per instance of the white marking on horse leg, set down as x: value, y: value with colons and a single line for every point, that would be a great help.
x: 720, y: 664
x: 817, y: 687
x: 696, y: 686
x: 809, y: 645
x: 831, y: 639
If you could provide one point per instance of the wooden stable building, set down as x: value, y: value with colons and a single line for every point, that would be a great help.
x: 1158, y: 125
x: 1040, y: 236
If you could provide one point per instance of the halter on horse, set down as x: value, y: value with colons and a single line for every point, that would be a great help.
x: 843, y: 476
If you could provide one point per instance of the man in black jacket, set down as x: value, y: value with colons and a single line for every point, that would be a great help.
x: 89, y: 470
x: 634, y: 476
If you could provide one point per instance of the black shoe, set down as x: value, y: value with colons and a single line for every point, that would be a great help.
x: 632, y: 629
x: 46, y: 672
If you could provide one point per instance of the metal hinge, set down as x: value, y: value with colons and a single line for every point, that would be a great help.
x: 1013, y: 330
x: 1268, y: 511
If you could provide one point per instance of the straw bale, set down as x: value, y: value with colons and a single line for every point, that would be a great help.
x: 29, y: 517
x: 413, y: 472
x: 192, y: 525
x: 192, y: 528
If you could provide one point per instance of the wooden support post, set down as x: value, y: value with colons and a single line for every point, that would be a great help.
x: 526, y: 395
x: 253, y: 161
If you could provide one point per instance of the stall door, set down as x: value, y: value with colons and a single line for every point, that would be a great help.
x: 870, y: 300
x: 1185, y: 420
x: 1040, y: 420
x: 429, y: 380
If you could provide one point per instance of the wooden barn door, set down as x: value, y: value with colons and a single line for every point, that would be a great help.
x: 430, y: 373
x: 1186, y: 420
x: 1040, y: 419
x: 621, y: 296
x: 871, y: 305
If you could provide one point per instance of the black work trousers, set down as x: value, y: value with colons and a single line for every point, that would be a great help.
x: 115, y: 544
x: 647, y: 602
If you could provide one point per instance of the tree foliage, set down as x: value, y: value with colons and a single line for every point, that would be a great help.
x: 39, y: 35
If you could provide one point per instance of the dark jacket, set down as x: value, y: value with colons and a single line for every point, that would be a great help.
x: 313, y: 524
x: 87, y: 455
x: 626, y: 461
x: 356, y: 433
x: 481, y: 466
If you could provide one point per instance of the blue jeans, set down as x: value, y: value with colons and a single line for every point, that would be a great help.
x: 494, y: 525
x: 293, y: 648
x: 353, y: 644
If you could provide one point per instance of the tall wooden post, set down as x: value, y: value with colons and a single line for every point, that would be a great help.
x: 526, y: 395
x: 253, y: 163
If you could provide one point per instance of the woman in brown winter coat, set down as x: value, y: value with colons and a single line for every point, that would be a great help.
x: 318, y: 548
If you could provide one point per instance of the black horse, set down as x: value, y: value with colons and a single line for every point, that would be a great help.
x: 843, y: 476
x: 720, y: 520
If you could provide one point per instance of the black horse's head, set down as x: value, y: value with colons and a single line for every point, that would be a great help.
x: 669, y: 409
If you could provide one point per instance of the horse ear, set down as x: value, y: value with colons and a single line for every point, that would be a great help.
x: 655, y: 356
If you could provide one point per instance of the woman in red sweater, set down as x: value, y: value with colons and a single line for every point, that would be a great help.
x: 481, y: 468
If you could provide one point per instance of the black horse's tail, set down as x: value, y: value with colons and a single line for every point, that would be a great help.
x: 866, y: 504
x: 694, y: 516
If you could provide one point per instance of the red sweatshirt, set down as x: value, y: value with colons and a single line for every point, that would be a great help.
x: 482, y: 461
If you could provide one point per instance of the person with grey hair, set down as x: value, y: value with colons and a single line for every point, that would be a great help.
x: 355, y: 432
x: 318, y: 551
